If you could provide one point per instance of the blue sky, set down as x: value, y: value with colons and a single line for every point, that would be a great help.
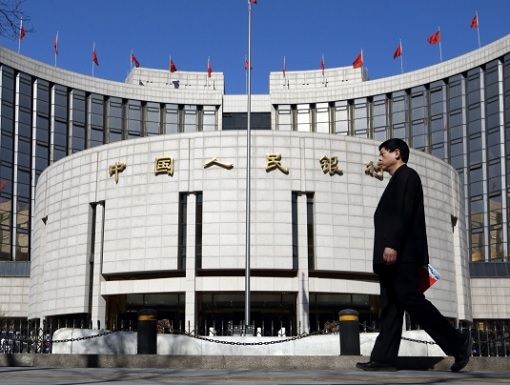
x: 191, y: 31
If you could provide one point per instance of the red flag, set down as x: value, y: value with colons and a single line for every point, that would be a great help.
x: 133, y: 60
x: 322, y: 65
x: 254, y: 1
x: 209, y: 69
x: 246, y: 64
x: 94, y: 55
x: 398, y: 51
x: 55, y: 44
x: 435, y: 38
x: 474, y: 22
x: 173, y: 68
x: 21, y: 31
x: 358, y: 62
x: 284, y: 66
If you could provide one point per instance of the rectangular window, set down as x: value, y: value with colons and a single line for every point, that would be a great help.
x: 341, y: 118
x: 182, y: 233
x: 134, y: 119
x: 171, y: 119
x: 209, y: 118
x: 96, y: 120
x: 360, y: 118
x: 322, y: 117
x: 303, y: 117
x: 310, y: 230
x: 152, y: 119
x: 295, y: 242
x: 284, y: 118
x: 190, y: 118
x: 114, y: 117
x: 310, y: 235
x: 198, y: 229
x: 78, y: 114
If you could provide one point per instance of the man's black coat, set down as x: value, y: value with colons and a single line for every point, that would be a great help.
x: 399, y: 220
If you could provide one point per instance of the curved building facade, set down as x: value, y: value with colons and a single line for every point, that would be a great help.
x: 457, y: 111
x: 159, y: 222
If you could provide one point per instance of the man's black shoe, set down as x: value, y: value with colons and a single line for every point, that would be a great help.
x: 372, y: 366
x: 462, y: 358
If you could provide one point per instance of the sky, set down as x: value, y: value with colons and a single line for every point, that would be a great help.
x: 193, y: 32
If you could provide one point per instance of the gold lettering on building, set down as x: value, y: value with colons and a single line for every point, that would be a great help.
x: 330, y: 165
x: 116, y: 169
x: 374, y: 170
x: 164, y: 165
x: 273, y: 161
x: 215, y: 162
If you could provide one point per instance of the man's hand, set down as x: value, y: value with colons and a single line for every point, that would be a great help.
x: 389, y: 256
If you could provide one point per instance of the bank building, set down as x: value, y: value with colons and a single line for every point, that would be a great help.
x: 116, y: 197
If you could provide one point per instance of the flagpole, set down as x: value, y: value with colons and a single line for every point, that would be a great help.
x: 401, y: 57
x: 248, y: 180
x: 19, y: 36
x: 478, y: 29
x: 440, y: 48
x: 55, y: 48
x: 92, y: 63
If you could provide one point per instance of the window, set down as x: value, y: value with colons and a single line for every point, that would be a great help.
x: 171, y: 119
x: 322, y: 117
x: 341, y: 118
x: 360, y: 118
x: 198, y: 229
x: 152, y: 118
x: 190, y: 118
x: 182, y: 233
x: 134, y: 119
x: 303, y: 121
x: 209, y: 118
x: 284, y: 118
x: 114, y: 116
x: 96, y: 120
x: 78, y: 113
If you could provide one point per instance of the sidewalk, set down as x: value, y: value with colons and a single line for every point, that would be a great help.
x: 149, y: 376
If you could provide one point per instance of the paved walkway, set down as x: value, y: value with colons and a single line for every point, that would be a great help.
x: 151, y: 376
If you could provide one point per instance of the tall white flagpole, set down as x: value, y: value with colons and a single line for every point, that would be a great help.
x: 55, y: 48
x: 93, y: 51
x: 401, y: 57
x: 478, y: 29
x: 440, y: 48
x: 248, y: 180
x: 19, y: 36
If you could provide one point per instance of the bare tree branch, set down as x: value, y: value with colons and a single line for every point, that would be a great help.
x: 11, y: 13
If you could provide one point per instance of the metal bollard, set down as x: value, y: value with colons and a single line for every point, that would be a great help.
x: 349, y: 333
x: 147, y: 332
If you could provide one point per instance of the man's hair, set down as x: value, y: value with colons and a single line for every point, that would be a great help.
x: 392, y: 144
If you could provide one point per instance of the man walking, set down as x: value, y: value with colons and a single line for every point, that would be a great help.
x: 400, y: 251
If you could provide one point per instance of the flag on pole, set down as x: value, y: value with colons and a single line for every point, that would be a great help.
x: 209, y: 68
x: 94, y: 55
x: 55, y: 44
x: 21, y: 31
x: 134, y: 60
x: 398, y: 51
x: 173, y: 68
x: 358, y: 62
x: 246, y: 63
x: 434, y: 38
x: 474, y: 22
x: 284, y: 66
x: 322, y: 65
